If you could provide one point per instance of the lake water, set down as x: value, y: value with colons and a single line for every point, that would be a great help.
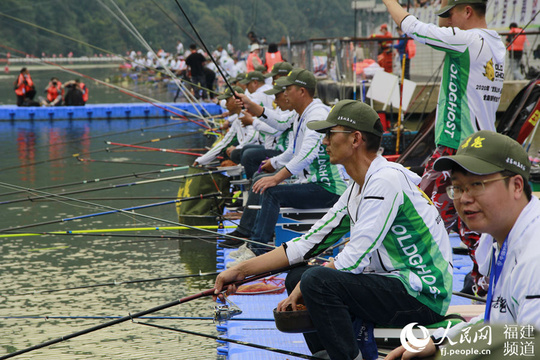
x: 31, y: 264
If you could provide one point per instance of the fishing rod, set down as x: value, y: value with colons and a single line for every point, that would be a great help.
x: 468, y: 296
x: 114, y: 211
x: 89, y: 317
x: 142, y: 130
x: 116, y: 283
x: 130, y: 317
x: 105, y: 232
x: 234, y: 341
x: 75, y: 155
x: 108, y: 187
x: 62, y: 196
x: 124, y: 162
x: 96, y: 180
x: 153, y: 149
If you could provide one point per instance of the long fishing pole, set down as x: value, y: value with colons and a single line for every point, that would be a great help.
x: 125, y: 162
x: 234, y: 341
x: 117, y: 283
x: 62, y: 196
x: 114, y: 211
x: 75, y: 155
x: 96, y: 180
x: 90, y: 317
x: 108, y: 187
x: 130, y: 317
x: 106, y: 232
x: 153, y: 149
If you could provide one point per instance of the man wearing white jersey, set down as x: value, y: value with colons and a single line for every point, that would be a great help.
x: 396, y: 268
x: 491, y: 192
x: 470, y: 90
x: 236, y: 134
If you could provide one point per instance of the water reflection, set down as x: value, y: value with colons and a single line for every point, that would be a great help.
x: 35, y: 263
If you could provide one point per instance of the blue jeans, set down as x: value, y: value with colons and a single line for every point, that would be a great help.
x: 259, y: 224
x: 335, y: 298
x: 251, y: 156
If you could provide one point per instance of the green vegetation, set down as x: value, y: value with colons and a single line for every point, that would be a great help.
x: 218, y: 21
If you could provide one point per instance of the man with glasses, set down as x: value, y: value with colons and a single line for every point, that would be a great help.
x: 490, y: 189
x: 396, y: 267
x: 469, y: 95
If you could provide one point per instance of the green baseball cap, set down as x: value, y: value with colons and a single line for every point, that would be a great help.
x: 260, y: 68
x: 252, y: 75
x: 301, y: 77
x: 279, y: 86
x: 443, y: 12
x: 350, y: 113
x: 487, y: 152
x: 280, y: 68
x: 227, y: 94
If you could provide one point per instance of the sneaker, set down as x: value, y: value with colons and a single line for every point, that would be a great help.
x: 248, y: 254
x: 237, y: 253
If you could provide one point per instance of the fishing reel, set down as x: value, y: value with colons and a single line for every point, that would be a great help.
x: 226, y: 312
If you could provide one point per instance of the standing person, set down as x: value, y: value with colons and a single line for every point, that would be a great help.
x: 385, y: 48
x: 273, y: 56
x: 395, y: 269
x: 196, y: 62
x: 517, y: 40
x: 179, y: 48
x: 318, y: 183
x: 253, y: 59
x: 469, y: 94
x: 24, y: 87
x: 491, y: 192
x: 404, y: 47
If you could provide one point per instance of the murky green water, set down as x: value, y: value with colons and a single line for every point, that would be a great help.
x: 30, y: 264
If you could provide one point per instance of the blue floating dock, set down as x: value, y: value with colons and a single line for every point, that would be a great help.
x: 106, y: 111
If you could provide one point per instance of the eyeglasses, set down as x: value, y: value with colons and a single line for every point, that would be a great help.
x: 330, y: 131
x: 476, y: 188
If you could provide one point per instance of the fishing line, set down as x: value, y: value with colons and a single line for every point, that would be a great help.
x: 111, y: 186
x: 207, y: 51
x: 234, y: 341
x: 90, y: 317
x: 153, y: 149
x: 117, y: 283
x: 176, y: 23
x: 208, y: 292
x: 137, y: 35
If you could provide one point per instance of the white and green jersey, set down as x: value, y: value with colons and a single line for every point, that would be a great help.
x: 305, y: 156
x: 275, y: 138
x: 395, y: 231
x: 472, y: 79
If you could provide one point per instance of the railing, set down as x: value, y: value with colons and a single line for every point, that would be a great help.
x: 333, y: 58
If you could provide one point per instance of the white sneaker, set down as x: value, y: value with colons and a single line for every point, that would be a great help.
x: 248, y: 254
x: 238, y: 252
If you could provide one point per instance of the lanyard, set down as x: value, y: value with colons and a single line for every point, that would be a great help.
x: 496, y: 269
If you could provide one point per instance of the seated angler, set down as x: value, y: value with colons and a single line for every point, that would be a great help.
x: 396, y: 267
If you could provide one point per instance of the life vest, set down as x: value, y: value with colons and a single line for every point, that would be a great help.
x: 250, y: 66
x: 84, y: 91
x: 23, y: 84
x: 54, y: 91
x: 518, y: 44
x: 273, y: 58
x: 410, y: 49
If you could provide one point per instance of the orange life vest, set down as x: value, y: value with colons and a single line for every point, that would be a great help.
x: 518, y: 44
x: 23, y: 84
x: 84, y: 90
x: 250, y: 66
x: 273, y: 58
x: 54, y: 91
